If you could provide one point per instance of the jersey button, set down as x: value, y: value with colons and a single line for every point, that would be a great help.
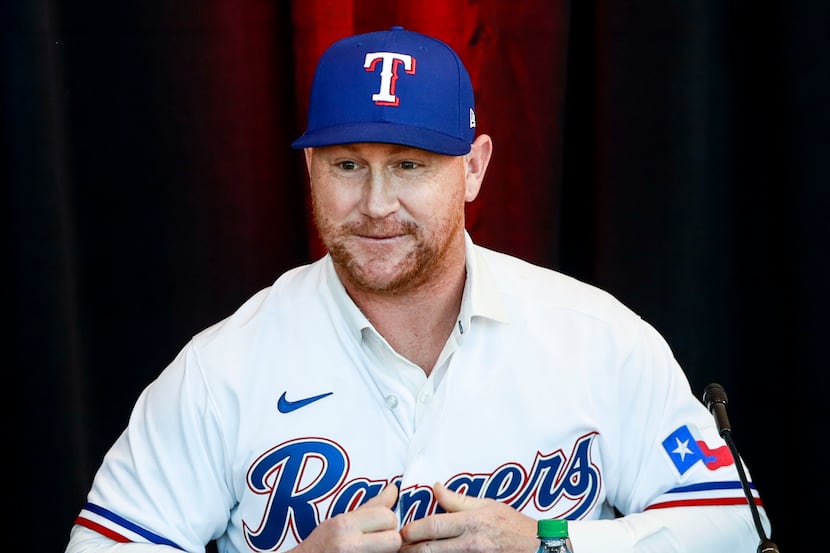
x: 391, y: 401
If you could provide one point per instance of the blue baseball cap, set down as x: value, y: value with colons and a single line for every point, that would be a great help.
x: 395, y: 87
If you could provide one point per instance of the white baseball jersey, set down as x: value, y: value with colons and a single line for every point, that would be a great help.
x: 550, y: 396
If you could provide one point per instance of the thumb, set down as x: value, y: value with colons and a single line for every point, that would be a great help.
x: 453, y: 502
x: 386, y: 498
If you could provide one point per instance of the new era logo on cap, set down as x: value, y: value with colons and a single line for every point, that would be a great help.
x: 395, y: 86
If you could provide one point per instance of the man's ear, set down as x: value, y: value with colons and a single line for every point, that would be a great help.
x: 307, y: 154
x: 477, y: 161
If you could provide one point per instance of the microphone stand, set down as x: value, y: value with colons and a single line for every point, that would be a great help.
x: 766, y: 545
x: 714, y: 397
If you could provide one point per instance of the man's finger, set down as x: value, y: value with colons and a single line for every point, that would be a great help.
x: 453, y: 502
x: 386, y: 498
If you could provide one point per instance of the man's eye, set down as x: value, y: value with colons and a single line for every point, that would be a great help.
x: 347, y: 165
x: 408, y: 165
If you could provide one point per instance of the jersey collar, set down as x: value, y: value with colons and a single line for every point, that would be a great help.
x: 481, y: 296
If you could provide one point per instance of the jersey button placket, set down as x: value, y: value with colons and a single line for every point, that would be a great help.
x: 422, y: 404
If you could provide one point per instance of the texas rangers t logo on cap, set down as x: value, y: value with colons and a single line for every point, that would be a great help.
x: 388, y: 74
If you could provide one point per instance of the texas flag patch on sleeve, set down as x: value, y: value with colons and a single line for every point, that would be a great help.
x: 685, y: 450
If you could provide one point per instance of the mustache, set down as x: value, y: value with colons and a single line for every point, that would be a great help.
x: 386, y: 227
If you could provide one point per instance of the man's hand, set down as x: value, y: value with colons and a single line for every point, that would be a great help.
x: 371, y: 528
x: 470, y: 524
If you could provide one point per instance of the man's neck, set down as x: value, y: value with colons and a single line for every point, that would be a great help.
x: 416, y: 323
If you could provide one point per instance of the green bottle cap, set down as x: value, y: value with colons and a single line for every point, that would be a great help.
x: 552, y: 528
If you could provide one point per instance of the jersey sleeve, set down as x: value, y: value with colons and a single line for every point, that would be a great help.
x: 672, y: 452
x: 714, y: 529
x: 84, y: 540
x: 165, y: 479
x: 678, y: 488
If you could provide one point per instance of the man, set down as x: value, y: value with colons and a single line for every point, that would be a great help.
x: 412, y: 391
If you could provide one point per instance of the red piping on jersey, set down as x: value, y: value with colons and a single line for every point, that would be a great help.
x: 703, y: 502
x: 115, y: 536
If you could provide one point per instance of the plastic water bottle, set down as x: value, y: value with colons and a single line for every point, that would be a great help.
x: 553, y: 536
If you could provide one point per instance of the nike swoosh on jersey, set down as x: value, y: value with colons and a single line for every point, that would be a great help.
x: 286, y: 406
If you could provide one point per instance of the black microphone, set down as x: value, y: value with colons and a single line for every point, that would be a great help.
x: 714, y: 397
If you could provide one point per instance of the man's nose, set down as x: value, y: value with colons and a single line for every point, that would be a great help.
x: 380, y: 197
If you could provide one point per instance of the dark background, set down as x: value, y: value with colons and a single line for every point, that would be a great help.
x: 674, y: 154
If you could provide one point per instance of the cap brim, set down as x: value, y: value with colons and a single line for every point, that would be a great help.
x: 386, y: 133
